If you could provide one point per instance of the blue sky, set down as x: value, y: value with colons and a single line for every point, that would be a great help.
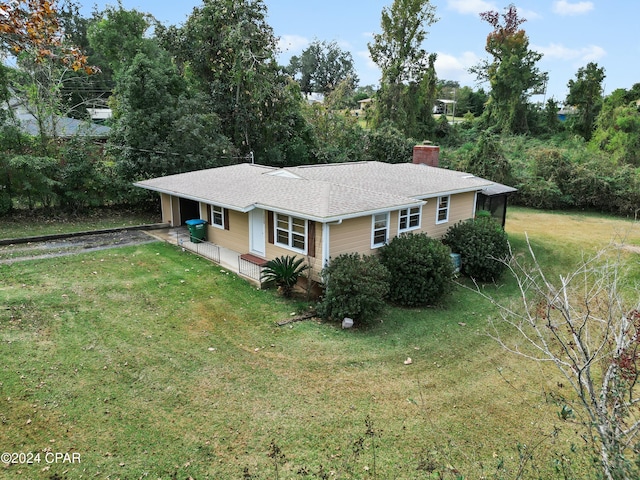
x: 569, y: 33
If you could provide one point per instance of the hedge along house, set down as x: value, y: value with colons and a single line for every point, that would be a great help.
x: 319, y: 211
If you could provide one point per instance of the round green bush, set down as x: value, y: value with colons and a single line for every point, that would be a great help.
x: 420, y: 267
x: 355, y: 287
x: 482, y: 244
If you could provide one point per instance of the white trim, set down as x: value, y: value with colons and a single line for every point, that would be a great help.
x: 439, y: 209
x: 409, y: 215
x: 373, y: 230
x: 257, y: 245
x: 222, y: 213
x: 290, y: 233
x: 337, y: 218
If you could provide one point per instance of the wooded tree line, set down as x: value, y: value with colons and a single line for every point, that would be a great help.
x: 211, y: 92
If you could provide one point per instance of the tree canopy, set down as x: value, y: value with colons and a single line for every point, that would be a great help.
x: 512, y: 72
x: 321, y: 67
x: 585, y: 92
x: 407, y: 87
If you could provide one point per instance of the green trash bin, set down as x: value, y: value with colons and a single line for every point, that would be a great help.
x: 197, y: 230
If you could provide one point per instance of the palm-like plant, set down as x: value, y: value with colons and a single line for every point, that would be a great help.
x: 284, y: 272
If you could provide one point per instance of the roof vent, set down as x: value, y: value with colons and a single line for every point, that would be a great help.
x: 283, y: 173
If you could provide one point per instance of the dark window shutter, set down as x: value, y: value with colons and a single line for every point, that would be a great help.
x: 225, y: 219
x: 209, y: 219
x: 270, y: 226
x: 311, y: 238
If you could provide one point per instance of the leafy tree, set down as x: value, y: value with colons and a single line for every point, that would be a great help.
x: 550, y: 121
x: 117, y: 35
x: 33, y: 180
x: 468, y: 100
x: 407, y: 88
x: 420, y: 269
x: 618, y: 127
x: 488, y: 159
x: 148, y: 97
x: 227, y: 48
x: 355, y: 287
x: 159, y: 126
x: 32, y: 33
x: 512, y: 73
x: 585, y: 92
x: 32, y: 27
x: 80, y: 177
x: 321, y: 67
x: 341, y: 97
x: 80, y: 90
x: 388, y: 144
x: 338, y: 136
x: 284, y: 271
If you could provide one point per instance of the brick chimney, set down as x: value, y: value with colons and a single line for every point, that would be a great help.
x: 427, y: 154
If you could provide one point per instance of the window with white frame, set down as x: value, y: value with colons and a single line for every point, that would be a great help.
x: 217, y: 216
x: 379, y: 230
x: 442, y: 214
x: 409, y: 219
x: 291, y: 232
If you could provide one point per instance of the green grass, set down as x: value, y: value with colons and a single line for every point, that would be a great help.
x: 153, y: 363
x: 26, y: 224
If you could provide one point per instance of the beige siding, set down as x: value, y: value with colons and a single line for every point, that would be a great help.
x: 237, y: 237
x: 175, y: 211
x: 354, y: 235
x: 165, y: 206
x: 461, y: 207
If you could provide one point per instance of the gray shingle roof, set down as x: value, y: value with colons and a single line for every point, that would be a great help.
x: 320, y: 192
x: 65, y: 127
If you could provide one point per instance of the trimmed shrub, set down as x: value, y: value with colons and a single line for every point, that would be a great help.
x: 482, y: 243
x: 420, y: 267
x: 355, y: 287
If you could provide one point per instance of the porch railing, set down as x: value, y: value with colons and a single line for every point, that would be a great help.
x: 203, y: 248
x: 251, y: 266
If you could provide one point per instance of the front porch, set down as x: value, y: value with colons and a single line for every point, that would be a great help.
x: 245, y: 265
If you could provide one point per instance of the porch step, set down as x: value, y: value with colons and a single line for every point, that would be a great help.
x: 261, y: 262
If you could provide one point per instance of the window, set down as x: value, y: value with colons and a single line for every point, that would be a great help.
x: 442, y: 214
x: 380, y: 230
x: 291, y: 232
x: 216, y: 216
x: 409, y: 219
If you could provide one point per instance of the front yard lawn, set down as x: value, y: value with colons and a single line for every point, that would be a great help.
x: 150, y: 362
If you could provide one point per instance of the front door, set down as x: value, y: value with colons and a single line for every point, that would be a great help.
x: 257, y: 232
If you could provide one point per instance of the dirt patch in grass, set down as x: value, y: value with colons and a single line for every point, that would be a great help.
x: 72, y: 245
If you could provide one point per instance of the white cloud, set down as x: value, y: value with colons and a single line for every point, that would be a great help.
x: 554, y: 51
x: 471, y: 6
x: 292, y: 44
x: 528, y: 14
x: 563, y: 7
x: 449, y: 67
